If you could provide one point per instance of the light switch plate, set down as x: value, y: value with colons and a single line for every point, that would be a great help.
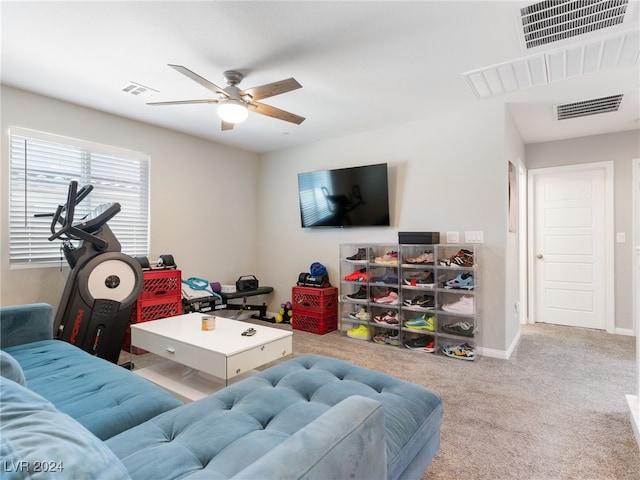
x: 453, y: 237
x: 474, y: 237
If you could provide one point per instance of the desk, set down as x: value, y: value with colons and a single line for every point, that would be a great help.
x: 262, y: 309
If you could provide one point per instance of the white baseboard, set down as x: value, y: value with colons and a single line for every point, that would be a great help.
x: 634, y: 406
x: 624, y: 331
x: 501, y: 354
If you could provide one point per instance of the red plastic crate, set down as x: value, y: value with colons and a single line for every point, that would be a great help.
x: 161, y: 283
x: 315, y: 300
x: 147, y: 310
x: 314, y: 322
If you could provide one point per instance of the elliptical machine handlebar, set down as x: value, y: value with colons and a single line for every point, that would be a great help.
x: 92, y: 222
x: 81, y: 195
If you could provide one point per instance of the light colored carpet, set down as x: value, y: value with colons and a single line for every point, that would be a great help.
x: 556, y: 410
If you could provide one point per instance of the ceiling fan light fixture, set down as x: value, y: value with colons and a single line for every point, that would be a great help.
x: 233, y: 111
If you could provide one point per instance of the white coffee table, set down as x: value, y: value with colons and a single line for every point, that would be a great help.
x: 201, y: 362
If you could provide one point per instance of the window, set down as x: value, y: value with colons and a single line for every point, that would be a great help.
x: 41, y: 168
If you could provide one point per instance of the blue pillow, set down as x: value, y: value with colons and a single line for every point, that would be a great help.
x: 38, y: 441
x: 11, y: 369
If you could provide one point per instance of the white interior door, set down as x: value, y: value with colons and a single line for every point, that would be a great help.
x: 569, y: 247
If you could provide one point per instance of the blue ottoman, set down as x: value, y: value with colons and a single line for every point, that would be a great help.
x: 309, y: 417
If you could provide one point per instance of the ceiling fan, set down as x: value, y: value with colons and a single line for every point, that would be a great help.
x: 233, y: 103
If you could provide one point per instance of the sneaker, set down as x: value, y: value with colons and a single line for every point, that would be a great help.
x: 360, y: 295
x: 361, y: 315
x: 389, y: 258
x: 388, y: 298
x: 459, y: 328
x: 464, y: 258
x: 389, y: 318
x: 388, y: 278
x: 422, y: 301
x: 361, y: 256
x: 391, y: 340
x: 426, y: 257
x: 380, y: 338
x: 357, y: 276
x: 462, y: 281
x: 464, y: 351
x: 359, y: 333
x: 421, y: 322
x: 424, y: 279
x: 423, y: 343
x: 386, y: 339
x: 464, y: 306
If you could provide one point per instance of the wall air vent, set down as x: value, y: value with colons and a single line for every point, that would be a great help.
x: 588, y: 107
x: 554, y: 20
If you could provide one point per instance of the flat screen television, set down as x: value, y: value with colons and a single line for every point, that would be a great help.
x: 345, y: 197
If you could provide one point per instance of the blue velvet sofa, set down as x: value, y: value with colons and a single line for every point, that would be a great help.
x: 66, y: 414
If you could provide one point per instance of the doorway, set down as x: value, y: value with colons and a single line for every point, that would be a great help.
x: 571, y: 252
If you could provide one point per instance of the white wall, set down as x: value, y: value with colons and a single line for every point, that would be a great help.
x: 195, y: 214
x: 447, y: 172
x: 515, y: 153
x: 620, y: 148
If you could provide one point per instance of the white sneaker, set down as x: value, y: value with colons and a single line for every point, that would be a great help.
x: 389, y: 298
x: 465, y: 305
x: 361, y: 315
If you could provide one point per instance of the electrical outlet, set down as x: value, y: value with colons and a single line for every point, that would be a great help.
x: 474, y: 237
x: 453, y: 237
x: 621, y: 237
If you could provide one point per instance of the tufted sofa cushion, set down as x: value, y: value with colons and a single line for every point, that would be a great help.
x: 219, y: 436
x: 39, y: 442
x: 103, y: 397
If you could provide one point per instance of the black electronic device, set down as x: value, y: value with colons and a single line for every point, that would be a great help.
x: 345, y: 197
x: 249, y: 332
x: 103, y: 283
x: 246, y: 283
x: 419, y: 238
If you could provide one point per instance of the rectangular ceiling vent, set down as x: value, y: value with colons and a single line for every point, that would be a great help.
x: 139, y: 90
x: 552, y: 20
x: 588, y: 107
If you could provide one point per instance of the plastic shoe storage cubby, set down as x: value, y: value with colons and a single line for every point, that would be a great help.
x: 412, y: 295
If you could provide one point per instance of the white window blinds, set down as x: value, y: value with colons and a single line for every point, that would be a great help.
x: 41, y: 167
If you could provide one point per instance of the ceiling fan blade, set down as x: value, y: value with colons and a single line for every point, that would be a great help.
x: 197, y: 78
x: 276, y: 113
x: 271, y: 89
x: 227, y: 125
x: 182, y: 102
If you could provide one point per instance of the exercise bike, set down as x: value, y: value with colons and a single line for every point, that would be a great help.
x: 103, y: 283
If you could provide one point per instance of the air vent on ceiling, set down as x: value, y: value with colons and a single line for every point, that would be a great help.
x: 139, y: 90
x: 588, y: 107
x: 617, y: 51
x: 552, y: 20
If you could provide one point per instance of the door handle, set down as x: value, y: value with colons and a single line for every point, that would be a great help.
x: 539, y: 255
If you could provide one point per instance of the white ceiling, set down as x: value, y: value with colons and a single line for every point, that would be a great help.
x: 362, y: 65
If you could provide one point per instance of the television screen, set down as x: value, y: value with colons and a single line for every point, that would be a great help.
x: 345, y: 197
